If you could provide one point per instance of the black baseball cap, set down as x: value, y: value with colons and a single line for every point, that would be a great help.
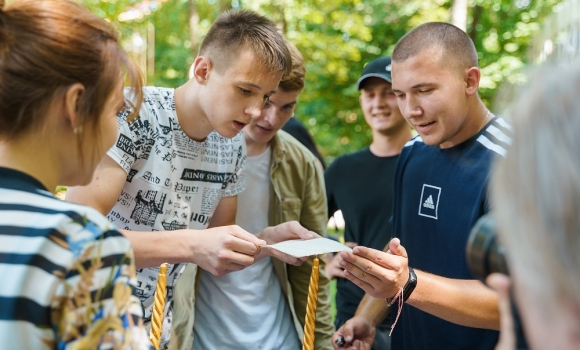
x: 379, y: 68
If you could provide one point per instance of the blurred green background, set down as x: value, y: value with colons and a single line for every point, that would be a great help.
x: 336, y: 37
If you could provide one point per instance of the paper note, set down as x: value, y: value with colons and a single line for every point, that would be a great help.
x: 299, y: 248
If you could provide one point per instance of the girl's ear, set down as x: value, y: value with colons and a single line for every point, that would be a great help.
x: 70, y: 103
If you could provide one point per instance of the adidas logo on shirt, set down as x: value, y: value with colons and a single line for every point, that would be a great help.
x: 429, y: 203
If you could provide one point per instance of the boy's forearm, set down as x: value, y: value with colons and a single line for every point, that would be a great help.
x: 373, y: 309
x: 154, y: 248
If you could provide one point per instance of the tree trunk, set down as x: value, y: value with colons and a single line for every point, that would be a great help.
x: 150, y: 48
x: 477, y: 12
x: 193, y: 28
x: 283, y: 24
x: 459, y: 14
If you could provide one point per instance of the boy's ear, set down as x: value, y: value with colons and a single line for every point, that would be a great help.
x: 200, y: 70
x: 472, y: 76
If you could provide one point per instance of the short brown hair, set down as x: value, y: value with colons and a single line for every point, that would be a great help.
x: 237, y: 30
x: 45, y: 47
x: 454, y: 42
x: 294, y: 80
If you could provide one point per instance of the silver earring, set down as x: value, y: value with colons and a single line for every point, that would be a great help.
x: 78, y: 130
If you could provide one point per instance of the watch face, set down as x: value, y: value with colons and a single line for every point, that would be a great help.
x: 410, y: 285
x: 412, y: 276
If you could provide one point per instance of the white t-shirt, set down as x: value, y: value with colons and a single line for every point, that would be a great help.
x: 245, y: 310
x: 173, y: 182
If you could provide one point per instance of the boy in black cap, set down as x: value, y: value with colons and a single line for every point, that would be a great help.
x: 361, y: 184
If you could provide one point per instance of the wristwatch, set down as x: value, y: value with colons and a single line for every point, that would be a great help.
x: 408, y: 288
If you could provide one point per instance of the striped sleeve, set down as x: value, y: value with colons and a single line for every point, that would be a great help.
x: 98, y: 308
x: 497, y: 136
x: 417, y: 138
x: 68, y: 276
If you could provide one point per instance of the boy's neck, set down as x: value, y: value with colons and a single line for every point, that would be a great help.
x: 190, y: 115
x: 255, y: 148
x: 390, y: 145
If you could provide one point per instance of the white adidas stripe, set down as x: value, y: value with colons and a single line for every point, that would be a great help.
x: 504, y: 124
x: 492, y: 146
x: 413, y: 140
x: 498, y: 134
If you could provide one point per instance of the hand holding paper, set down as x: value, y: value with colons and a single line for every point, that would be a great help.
x: 290, y: 230
x: 299, y: 248
x: 293, y: 244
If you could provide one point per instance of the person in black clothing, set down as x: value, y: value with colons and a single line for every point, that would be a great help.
x: 361, y: 184
x: 295, y: 128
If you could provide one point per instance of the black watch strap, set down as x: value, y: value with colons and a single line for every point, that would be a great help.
x: 410, y: 285
x: 408, y: 288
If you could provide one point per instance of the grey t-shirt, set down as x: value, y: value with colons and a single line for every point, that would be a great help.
x: 245, y: 310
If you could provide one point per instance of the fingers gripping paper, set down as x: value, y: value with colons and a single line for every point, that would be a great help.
x: 299, y: 248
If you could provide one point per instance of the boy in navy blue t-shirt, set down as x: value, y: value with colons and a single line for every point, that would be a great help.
x: 440, y: 192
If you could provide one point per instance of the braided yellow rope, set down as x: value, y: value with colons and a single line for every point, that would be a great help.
x: 310, y: 323
x: 158, y: 307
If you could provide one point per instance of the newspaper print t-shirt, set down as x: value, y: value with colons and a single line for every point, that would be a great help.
x: 173, y: 182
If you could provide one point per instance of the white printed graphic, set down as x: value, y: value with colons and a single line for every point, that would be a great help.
x: 173, y: 182
x: 429, y: 202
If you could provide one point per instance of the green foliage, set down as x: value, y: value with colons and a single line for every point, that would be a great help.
x: 111, y: 10
x: 336, y: 47
x: 333, y: 299
x: 173, y: 54
x: 502, y: 31
x: 337, y: 37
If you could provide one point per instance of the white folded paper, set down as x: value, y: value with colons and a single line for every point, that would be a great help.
x: 299, y: 247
